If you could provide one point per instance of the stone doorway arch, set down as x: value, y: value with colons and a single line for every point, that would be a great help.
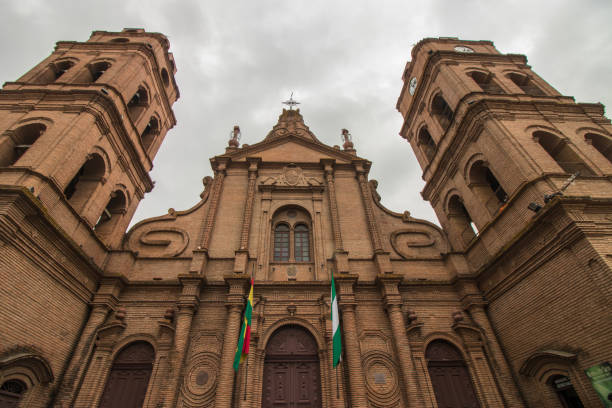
x: 291, y: 370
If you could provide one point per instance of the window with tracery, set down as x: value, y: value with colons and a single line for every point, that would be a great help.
x: 291, y: 236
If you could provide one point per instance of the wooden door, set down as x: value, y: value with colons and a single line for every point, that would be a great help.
x: 291, y: 370
x: 450, y: 377
x: 127, y: 383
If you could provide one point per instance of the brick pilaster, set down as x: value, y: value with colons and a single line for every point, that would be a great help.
x: 104, y: 301
x: 74, y: 373
x: 235, y: 304
x: 392, y: 299
x: 381, y: 257
x: 350, y: 338
x: 509, y: 389
x: 187, y: 304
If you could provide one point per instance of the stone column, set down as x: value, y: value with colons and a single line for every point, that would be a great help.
x: 187, y: 305
x: 235, y: 303
x: 350, y: 338
x: 389, y: 287
x: 105, y: 300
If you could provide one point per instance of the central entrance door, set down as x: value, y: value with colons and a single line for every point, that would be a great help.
x: 291, y: 370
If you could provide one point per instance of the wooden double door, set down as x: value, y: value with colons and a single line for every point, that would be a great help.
x: 291, y: 370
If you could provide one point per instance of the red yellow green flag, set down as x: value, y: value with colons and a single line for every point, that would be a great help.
x: 242, y: 350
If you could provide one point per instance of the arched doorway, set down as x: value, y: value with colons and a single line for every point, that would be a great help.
x: 449, y: 376
x: 291, y: 370
x: 129, y: 377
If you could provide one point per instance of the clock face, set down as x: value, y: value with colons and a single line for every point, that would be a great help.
x: 461, y: 48
x: 413, y: 84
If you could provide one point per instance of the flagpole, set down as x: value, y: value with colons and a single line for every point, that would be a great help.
x: 246, y: 374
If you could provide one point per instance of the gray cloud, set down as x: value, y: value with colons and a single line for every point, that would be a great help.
x: 238, y: 60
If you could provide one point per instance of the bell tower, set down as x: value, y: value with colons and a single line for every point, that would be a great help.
x: 80, y: 130
x: 492, y: 137
x: 519, y: 177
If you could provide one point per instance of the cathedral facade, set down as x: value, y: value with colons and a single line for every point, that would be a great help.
x: 506, y: 305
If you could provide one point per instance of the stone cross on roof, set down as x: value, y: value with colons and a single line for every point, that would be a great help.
x: 291, y: 102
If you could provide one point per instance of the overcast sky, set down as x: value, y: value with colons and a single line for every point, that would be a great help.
x: 238, y: 60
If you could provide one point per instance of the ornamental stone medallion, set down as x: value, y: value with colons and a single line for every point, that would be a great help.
x: 201, y: 380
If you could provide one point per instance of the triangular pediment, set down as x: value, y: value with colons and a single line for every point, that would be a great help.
x: 292, y: 150
x: 290, y: 141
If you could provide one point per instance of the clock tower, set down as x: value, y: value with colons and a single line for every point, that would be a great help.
x: 519, y: 177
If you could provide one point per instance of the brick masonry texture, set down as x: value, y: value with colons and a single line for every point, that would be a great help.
x: 522, y: 296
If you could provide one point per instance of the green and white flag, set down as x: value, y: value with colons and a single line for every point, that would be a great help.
x: 337, y: 341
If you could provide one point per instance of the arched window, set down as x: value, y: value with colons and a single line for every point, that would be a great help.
x: 85, y: 181
x: 486, y: 82
x: 292, y: 240
x: 565, y: 391
x: 281, y: 242
x: 301, y: 239
x: 449, y: 376
x: 603, y: 144
x: 460, y: 219
x: 426, y: 143
x: 112, y: 213
x: 14, y: 144
x: 149, y: 133
x: 93, y: 72
x: 138, y: 103
x: 129, y: 377
x: 165, y: 77
x: 486, y: 187
x: 11, y: 392
x: 526, y: 84
x: 562, y: 153
x: 53, y: 72
x: 441, y: 111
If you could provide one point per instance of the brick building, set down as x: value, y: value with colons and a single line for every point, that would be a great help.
x: 505, y: 306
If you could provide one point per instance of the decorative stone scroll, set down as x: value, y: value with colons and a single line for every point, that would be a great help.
x: 292, y: 176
